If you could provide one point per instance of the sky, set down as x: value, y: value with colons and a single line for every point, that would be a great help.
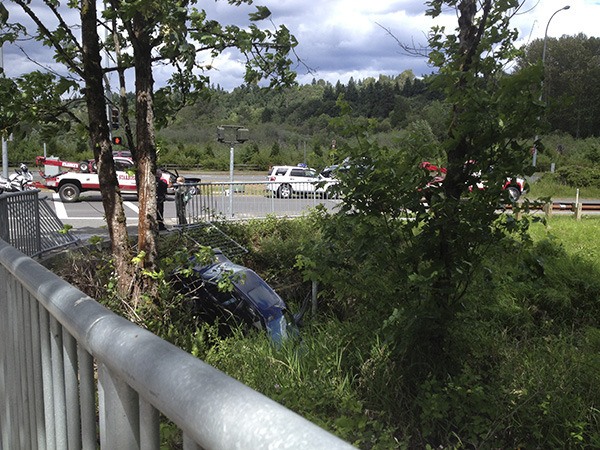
x: 340, y: 39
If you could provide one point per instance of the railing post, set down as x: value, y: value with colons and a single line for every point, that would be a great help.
x: 4, y: 411
x: 72, y: 391
x: 20, y: 373
x: 119, y: 411
x: 578, y: 210
x: 38, y: 225
x: 58, y: 383
x: 149, y: 426
x: 548, y: 209
x: 4, y: 230
x: 87, y: 403
x: 46, y: 363
x: 8, y: 427
x: 36, y: 352
x: 29, y: 380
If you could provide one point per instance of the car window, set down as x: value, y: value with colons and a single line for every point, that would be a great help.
x: 259, y: 291
x: 281, y: 171
x: 123, y: 164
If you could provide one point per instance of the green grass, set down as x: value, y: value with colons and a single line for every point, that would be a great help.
x: 545, y: 187
x: 578, y: 237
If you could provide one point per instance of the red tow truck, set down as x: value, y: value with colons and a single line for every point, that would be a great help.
x: 70, y: 179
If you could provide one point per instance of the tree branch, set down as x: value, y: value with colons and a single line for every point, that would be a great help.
x: 50, y: 36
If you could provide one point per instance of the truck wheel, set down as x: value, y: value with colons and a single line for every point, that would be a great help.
x: 513, y: 193
x: 84, y: 166
x: 69, y: 193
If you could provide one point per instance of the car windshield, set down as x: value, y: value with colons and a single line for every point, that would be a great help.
x: 257, y: 290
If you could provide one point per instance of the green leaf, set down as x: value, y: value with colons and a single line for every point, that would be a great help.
x: 262, y: 12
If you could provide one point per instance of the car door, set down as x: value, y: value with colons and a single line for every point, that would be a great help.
x: 125, y: 174
x: 277, y: 174
x: 303, y: 179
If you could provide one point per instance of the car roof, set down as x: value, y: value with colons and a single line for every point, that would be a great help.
x: 291, y: 167
x: 278, y: 170
x: 246, y: 282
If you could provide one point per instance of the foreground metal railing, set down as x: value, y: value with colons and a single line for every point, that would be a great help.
x: 30, y: 224
x: 74, y: 375
x: 246, y: 200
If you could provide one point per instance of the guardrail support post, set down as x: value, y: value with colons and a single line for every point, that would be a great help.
x: 577, y: 208
x: 548, y: 209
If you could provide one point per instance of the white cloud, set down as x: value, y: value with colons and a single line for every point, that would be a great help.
x: 581, y: 17
x: 340, y: 39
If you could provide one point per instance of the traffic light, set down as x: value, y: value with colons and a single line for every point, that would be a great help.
x: 241, y: 135
x: 221, y: 134
x: 114, y: 118
x: 232, y: 134
x: 117, y: 140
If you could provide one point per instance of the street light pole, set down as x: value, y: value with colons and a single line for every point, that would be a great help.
x: 4, y: 145
x: 544, y: 69
x: 546, y: 41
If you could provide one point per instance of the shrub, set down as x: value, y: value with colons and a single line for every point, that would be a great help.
x: 579, y: 176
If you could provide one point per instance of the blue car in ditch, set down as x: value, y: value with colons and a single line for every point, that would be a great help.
x: 227, y: 292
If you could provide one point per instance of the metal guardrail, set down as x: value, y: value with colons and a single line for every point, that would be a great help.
x: 577, y: 208
x: 30, y: 224
x: 75, y: 375
x: 247, y: 200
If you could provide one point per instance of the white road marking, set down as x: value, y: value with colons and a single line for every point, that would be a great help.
x: 61, y: 211
x: 132, y: 206
x: 59, y: 207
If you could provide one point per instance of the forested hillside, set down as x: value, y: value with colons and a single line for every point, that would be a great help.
x: 295, y: 125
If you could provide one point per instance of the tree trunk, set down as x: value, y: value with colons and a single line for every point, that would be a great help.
x: 100, y: 141
x: 146, y: 144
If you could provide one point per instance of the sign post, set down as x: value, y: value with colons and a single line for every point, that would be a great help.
x: 231, y: 134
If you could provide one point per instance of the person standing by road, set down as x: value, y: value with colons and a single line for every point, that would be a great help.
x: 182, y: 196
x: 161, y: 196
